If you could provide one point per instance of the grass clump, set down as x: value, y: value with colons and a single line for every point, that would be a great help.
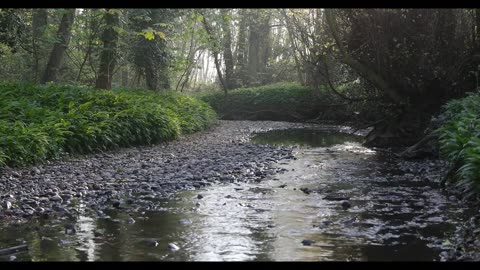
x: 42, y: 122
x: 459, y: 138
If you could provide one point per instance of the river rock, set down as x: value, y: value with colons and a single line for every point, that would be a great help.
x: 306, y: 190
x: 307, y: 242
x: 56, y: 198
x: 6, y: 205
x: 346, y: 204
x: 173, y: 247
x: 130, y: 220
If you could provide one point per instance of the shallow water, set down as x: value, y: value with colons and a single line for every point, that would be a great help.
x: 393, y: 214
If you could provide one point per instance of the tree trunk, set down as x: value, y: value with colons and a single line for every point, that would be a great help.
x: 227, y: 49
x: 214, y: 46
x: 151, y: 74
x: 253, y: 50
x: 368, y: 74
x: 190, y: 62
x: 205, y: 72
x: 477, y: 30
x: 258, y: 50
x: 125, y: 76
x: 93, y: 26
x: 240, y: 69
x: 107, y: 56
x: 56, y: 56
x: 39, y: 24
x: 266, y: 46
x: 294, y: 48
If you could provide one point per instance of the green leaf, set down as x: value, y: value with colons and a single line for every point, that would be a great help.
x: 149, y: 35
x: 161, y: 35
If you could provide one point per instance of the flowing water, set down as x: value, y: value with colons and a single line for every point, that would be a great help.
x: 337, y: 200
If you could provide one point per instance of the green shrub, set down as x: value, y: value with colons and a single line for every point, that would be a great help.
x: 459, y: 138
x: 41, y: 122
x: 280, y: 101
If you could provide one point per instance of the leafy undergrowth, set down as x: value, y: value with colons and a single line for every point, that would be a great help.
x: 42, y: 122
x: 280, y: 102
x: 459, y: 138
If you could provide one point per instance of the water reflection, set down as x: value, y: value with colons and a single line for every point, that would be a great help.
x: 305, y: 137
x: 391, y: 217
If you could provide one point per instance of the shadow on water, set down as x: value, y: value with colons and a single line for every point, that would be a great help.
x: 348, y: 201
x: 304, y: 137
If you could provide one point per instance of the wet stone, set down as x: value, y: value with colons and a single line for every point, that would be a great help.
x: 130, y: 220
x: 66, y: 197
x: 116, y: 203
x: 6, y: 205
x: 56, y: 198
x: 151, y: 243
x: 307, y: 242
x: 306, y: 190
x: 173, y: 247
x: 346, y: 204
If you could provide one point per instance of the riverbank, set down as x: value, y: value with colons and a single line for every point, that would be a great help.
x: 44, y: 122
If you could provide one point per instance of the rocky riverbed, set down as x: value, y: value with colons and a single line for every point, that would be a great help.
x: 137, y: 180
x: 133, y: 178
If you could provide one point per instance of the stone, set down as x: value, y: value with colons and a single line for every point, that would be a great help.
x: 151, y: 243
x: 116, y: 203
x: 70, y: 229
x: 7, y: 205
x: 307, y: 242
x: 306, y: 190
x: 173, y: 247
x: 130, y: 220
x: 56, y: 198
x: 66, y: 197
x: 346, y: 204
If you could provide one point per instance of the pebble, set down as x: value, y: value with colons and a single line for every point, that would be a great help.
x: 346, y: 205
x: 130, y: 220
x: 56, y: 198
x: 307, y: 242
x: 7, y: 205
x: 173, y: 247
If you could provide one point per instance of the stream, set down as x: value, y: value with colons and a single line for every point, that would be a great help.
x: 335, y: 201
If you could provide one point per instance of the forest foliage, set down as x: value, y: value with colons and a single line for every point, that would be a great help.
x: 43, y: 122
x: 460, y: 142
x: 279, y: 102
